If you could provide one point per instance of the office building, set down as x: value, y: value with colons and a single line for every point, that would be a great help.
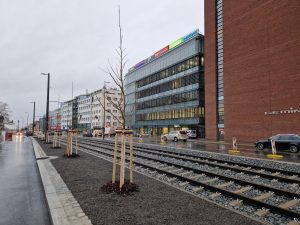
x: 165, y: 92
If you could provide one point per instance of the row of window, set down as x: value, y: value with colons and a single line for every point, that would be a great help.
x: 84, y: 119
x: 180, y: 67
x: 171, y: 85
x: 99, y: 118
x: 173, y: 114
x: 169, y: 100
x: 220, y: 77
x: 83, y: 107
x: 107, y: 123
x: 84, y: 101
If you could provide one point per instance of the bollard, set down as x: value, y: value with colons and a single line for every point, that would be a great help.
x: 234, y: 146
x: 162, y: 140
x: 141, y: 138
x: 274, y: 151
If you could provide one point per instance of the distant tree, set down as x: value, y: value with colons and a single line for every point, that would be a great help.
x: 4, y: 111
x: 4, y: 114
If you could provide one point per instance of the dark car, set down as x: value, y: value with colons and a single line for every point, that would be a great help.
x: 289, y: 142
x: 87, y: 134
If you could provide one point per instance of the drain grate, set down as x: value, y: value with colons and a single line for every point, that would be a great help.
x: 41, y: 158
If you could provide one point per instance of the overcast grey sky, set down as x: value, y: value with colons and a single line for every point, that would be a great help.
x: 73, y: 41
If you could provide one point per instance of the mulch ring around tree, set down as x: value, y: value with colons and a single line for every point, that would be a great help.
x: 127, y: 188
x: 73, y: 155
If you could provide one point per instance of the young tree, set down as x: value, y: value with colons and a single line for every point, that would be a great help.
x: 117, y: 74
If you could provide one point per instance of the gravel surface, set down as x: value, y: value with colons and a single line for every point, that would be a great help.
x: 156, y: 203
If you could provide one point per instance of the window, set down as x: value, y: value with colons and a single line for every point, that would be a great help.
x: 182, y: 66
x: 295, y: 138
x: 174, y: 84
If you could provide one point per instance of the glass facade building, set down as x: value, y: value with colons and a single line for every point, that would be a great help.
x: 166, y: 91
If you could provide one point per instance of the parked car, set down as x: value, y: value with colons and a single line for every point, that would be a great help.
x: 87, y: 134
x: 175, y: 135
x: 191, y: 133
x: 289, y: 142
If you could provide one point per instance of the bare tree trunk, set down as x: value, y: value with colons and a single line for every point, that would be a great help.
x: 117, y: 75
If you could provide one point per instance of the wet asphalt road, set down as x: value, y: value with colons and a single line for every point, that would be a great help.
x: 22, y: 200
x: 247, y: 150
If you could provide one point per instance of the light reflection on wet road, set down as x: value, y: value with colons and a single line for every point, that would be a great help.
x: 22, y: 198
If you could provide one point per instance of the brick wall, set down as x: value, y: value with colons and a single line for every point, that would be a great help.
x: 261, y: 67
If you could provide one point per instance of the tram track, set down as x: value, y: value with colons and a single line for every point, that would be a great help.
x: 275, y: 174
x: 195, y: 177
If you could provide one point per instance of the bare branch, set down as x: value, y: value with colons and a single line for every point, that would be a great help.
x: 117, y: 74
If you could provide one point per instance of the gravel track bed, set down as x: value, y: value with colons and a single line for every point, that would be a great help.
x: 233, y: 159
x: 241, y: 159
x: 240, y: 175
x: 292, y: 167
x: 224, y: 200
x: 156, y: 203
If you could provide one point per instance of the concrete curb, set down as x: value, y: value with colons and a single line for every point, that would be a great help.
x: 63, y: 207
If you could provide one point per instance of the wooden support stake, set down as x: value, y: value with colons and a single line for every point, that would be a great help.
x: 113, y: 179
x: 131, y: 159
x: 67, y: 152
x: 76, y: 142
x: 53, y: 143
x: 122, y: 162
x: 59, y: 138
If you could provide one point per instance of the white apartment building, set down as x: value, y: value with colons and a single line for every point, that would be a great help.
x: 66, y: 114
x: 85, y: 112
x: 112, y: 115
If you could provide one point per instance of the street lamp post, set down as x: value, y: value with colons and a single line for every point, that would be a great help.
x: 33, y: 117
x: 103, y: 125
x: 27, y: 119
x: 47, y: 105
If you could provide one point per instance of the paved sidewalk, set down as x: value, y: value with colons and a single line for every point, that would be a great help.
x: 64, y: 208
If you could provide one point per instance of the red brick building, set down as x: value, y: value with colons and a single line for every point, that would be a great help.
x: 252, y: 68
